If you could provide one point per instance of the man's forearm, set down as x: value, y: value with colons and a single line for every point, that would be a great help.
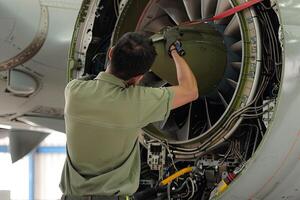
x: 185, y: 75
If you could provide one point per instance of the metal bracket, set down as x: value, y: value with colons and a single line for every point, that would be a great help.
x: 156, y: 158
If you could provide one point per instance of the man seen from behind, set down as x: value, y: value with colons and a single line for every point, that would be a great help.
x: 104, y: 117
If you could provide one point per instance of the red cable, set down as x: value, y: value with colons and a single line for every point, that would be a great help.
x: 234, y: 10
x: 226, y: 13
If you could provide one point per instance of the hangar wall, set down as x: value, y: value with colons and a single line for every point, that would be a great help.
x: 36, y: 176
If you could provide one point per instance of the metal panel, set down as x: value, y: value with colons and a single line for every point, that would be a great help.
x: 49, y: 63
x: 273, y: 173
x: 4, y: 194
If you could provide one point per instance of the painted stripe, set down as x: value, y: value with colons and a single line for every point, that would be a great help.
x: 4, y: 149
x: 51, y: 149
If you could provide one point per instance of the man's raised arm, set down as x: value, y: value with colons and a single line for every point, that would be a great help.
x: 187, y: 90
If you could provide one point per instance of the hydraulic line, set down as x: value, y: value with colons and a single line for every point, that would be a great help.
x: 176, y: 175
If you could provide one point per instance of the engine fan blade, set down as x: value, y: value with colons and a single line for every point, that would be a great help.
x: 232, y: 82
x: 158, y: 23
x: 193, y: 9
x: 222, y: 6
x: 237, y: 47
x: 207, y: 113
x: 223, y: 99
x: 175, y: 9
x: 236, y: 65
x: 183, y: 133
x: 233, y: 29
x: 208, y: 8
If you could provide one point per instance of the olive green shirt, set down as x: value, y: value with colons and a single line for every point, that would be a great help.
x: 103, y: 119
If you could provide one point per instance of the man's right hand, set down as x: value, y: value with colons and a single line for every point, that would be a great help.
x: 187, y: 90
x: 171, y: 35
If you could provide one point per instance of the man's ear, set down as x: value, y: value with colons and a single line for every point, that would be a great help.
x: 110, y: 51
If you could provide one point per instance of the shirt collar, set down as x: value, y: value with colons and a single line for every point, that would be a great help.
x: 108, y: 77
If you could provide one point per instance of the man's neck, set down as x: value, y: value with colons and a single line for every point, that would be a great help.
x: 127, y: 83
x: 108, y: 70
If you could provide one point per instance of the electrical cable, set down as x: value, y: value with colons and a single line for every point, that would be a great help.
x: 176, y: 175
x: 169, y: 191
x: 193, y: 188
x: 116, y: 8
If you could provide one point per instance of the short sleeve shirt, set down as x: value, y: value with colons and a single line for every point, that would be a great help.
x: 103, y: 119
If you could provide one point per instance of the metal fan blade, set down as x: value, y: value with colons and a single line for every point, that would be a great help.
x: 232, y: 82
x: 175, y: 9
x: 169, y: 127
x: 207, y: 113
x: 208, y: 8
x: 237, y: 47
x: 223, y: 99
x: 236, y: 65
x: 158, y: 23
x: 183, y: 133
x: 151, y: 80
x: 222, y: 6
x: 21, y: 142
x: 193, y: 9
x: 233, y: 29
x: 204, y: 128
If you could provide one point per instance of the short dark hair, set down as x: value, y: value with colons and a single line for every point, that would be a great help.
x: 133, y: 55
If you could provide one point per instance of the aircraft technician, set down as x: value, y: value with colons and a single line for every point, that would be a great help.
x: 104, y: 117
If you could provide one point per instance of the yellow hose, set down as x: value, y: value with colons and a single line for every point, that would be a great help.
x: 176, y: 175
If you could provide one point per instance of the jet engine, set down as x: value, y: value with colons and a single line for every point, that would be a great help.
x: 206, y: 146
